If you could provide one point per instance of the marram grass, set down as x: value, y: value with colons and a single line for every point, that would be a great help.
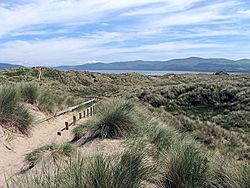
x: 127, y: 169
x: 115, y: 118
x: 13, y: 115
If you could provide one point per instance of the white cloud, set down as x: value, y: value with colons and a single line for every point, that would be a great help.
x: 247, y: 12
x: 167, y: 7
x: 202, y: 15
x: 80, y: 12
x: 119, y: 29
x: 77, y: 50
x: 62, y: 12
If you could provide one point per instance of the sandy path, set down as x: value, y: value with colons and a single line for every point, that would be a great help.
x: 43, y: 133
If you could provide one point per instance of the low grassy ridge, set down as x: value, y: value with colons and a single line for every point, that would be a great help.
x: 158, y: 156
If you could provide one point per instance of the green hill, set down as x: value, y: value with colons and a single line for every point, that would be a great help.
x: 187, y: 64
x: 4, y: 66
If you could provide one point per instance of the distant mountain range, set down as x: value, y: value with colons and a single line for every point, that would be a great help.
x: 187, y: 64
x: 4, y: 66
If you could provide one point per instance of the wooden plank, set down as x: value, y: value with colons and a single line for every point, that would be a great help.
x: 86, y: 113
x: 70, y: 109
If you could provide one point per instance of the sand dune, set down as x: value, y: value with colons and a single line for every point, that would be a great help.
x: 13, y: 152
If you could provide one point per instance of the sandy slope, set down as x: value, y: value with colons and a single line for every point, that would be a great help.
x: 42, y: 133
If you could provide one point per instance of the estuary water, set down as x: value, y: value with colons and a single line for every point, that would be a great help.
x: 148, y: 72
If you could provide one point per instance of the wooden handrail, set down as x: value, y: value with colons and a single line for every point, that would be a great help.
x: 89, y: 111
x: 69, y: 109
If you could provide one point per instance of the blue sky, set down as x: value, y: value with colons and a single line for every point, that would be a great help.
x: 60, y: 32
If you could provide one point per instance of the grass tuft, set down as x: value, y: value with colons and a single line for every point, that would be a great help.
x: 29, y: 92
x: 161, y: 135
x: 229, y: 173
x: 115, y: 118
x: 127, y: 169
x: 54, y: 151
x: 13, y: 116
x: 185, y: 166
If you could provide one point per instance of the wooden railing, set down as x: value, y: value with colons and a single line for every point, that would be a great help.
x: 87, y: 112
x: 69, y: 109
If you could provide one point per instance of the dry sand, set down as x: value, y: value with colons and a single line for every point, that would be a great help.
x: 12, y: 153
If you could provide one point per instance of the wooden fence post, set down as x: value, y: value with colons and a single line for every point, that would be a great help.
x: 80, y: 115
x: 74, y: 119
x: 91, y: 111
x: 84, y: 113
x: 66, y: 125
x: 87, y: 112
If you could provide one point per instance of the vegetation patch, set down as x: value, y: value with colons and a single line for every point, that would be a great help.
x: 184, y: 166
x: 115, y: 118
x: 127, y: 169
x: 29, y: 92
x: 54, y: 151
x: 13, y: 115
x: 183, y: 114
x: 16, y: 72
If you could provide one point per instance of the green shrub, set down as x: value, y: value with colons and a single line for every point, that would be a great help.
x: 29, y: 92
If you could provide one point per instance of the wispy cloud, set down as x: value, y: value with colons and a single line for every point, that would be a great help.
x: 78, y: 50
x: 244, y: 12
x: 54, y: 32
x: 162, y: 8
